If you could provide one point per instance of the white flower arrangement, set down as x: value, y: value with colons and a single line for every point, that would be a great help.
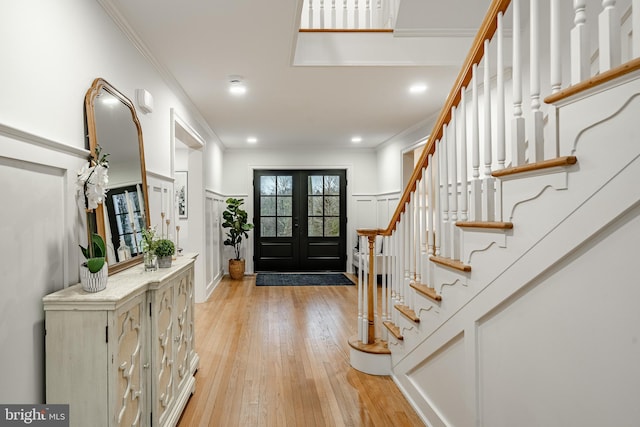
x: 92, y: 181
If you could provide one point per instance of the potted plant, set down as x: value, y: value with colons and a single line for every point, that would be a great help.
x: 164, y: 249
x: 94, y: 271
x: 236, y: 220
x: 149, y: 243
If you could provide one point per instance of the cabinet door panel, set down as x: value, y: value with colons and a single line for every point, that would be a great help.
x: 164, y: 318
x: 183, y: 325
x: 129, y: 360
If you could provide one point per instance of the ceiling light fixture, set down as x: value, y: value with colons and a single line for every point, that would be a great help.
x: 236, y: 85
x: 418, y: 88
x: 356, y: 139
x: 252, y: 140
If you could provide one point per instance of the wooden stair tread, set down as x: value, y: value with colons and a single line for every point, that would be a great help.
x: 408, y: 312
x: 485, y: 224
x: 551, y: 163
x: 427, y: 291
x: 395, y: 330
x: 448, y: 262
x: 378, y: 347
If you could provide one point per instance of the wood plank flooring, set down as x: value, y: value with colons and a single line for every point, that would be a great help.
x: 279, y: 356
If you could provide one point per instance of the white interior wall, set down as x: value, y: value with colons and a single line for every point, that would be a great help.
x: 48, y: 69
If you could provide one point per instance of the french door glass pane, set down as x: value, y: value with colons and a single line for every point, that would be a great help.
x: 267, y: 206
x: 285, y: 185
x: 268, y: 185
x: 315, y: 227
x: 332, y: 184
x: 315, y: 205
x: 268, y: 227
x: 315, y: 185
x: 332, y: 205
x: 332, y: 227
x: 285, y: 206
x: 284, y: 227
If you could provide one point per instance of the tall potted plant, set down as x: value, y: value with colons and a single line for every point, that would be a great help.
x: 236, y: 221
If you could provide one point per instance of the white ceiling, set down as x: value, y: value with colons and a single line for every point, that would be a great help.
x: 200, y: 43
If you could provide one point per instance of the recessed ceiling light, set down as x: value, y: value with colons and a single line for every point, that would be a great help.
x: 236, y: 85
x: 418, y: 88
x: 252, y: 140
x: 356, y: 139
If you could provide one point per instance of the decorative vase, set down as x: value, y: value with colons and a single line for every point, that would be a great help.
x: 94, y: 282
x: 236, y: 268
x: 150, y: 261
x: 164, y: 261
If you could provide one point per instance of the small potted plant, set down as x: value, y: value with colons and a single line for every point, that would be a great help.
x: 236, y: 220
x: 94, y: 271
x: 149, y: 243
x: 164, y: 249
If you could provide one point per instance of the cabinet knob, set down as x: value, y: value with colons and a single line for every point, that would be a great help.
x: 145, y: 366
x: 177, y: 339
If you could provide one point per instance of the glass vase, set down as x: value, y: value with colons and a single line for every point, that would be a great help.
x: 150, y: 261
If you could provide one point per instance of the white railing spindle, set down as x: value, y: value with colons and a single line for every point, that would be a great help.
x: 500, y: 100
x: 424, y: 201
x: 437, y: 207
x: 635, y: 28
x: 579, y: 43
x: 517, y: 123
x: 476, y: 184
x: 488, y: 200
x: 431, y: 194
x: 536, y: 139
x: 608, y: 36
x: 464, y: 190
x: 444, y: 181
x: 452, y: 141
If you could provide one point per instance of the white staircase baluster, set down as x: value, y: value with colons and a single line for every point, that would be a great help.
x: 552, y: 149
x: 377, y: 15
x: 452, y: 142
x: 418, y: 230
x: 536, y: 139
x: 444, y: 160
x: 476, y: 184
x: 431, y: 206
x: 437, y: 207
x: 580, y: 58
x: 356, y: 14
x: 488, y: 196
x: 367, y: 23
x: 322, y: 14
x: 385, y: 277
x: 406, y: 252
x: 423, y: 224
x: 517, y: 123
x: 500, y: 101
x: 360, y: 287
x: 398, y: 277
x: 376, y: 314
x: 635, y: 25
x: 608, y: 36
x: 334, y: 24
x: 464, y: 189
x: 345, y: 15
x: 310, y: 13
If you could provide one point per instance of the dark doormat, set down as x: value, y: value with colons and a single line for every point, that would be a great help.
x: 302, y: 279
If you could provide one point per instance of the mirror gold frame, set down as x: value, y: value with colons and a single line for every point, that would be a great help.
x: 97, y: 88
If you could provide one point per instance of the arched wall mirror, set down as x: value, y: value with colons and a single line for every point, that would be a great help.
x: 112, y: 123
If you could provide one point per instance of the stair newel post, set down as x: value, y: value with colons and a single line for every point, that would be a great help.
x: 517, y: 122
x: 361, y: 253
x: 635, y: 25
x: 385, y: 273
x: 371, y: 326
x: 608, y: 36
x: 431, y: 205
x: 580, y: 57
x: 476, y: 183
x: 536, y: 139
x: 488, y: 194
x: 444, y: 181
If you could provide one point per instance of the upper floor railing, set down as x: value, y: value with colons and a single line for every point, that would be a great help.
x: 348, y: 15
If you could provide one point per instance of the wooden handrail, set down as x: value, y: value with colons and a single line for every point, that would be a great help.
x: 486, y: 32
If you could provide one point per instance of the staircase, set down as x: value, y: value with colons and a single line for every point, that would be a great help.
x: 509, y: 296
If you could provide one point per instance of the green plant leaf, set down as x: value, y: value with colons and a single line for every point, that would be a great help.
x: 95, y: 264
x: 98, y: 246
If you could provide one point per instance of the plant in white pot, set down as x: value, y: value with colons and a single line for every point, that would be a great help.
x: 164, y: 249
x: 92, y: 183
x: 236, y: 221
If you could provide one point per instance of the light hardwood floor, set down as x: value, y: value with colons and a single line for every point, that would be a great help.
x: 278, y: 356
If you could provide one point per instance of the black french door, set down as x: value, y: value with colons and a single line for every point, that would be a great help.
x: 300, y: 220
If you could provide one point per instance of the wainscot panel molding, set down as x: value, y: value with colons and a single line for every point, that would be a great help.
x: 125, y: 355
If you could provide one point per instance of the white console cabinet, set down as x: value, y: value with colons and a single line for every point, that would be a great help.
x: 124, y: 356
